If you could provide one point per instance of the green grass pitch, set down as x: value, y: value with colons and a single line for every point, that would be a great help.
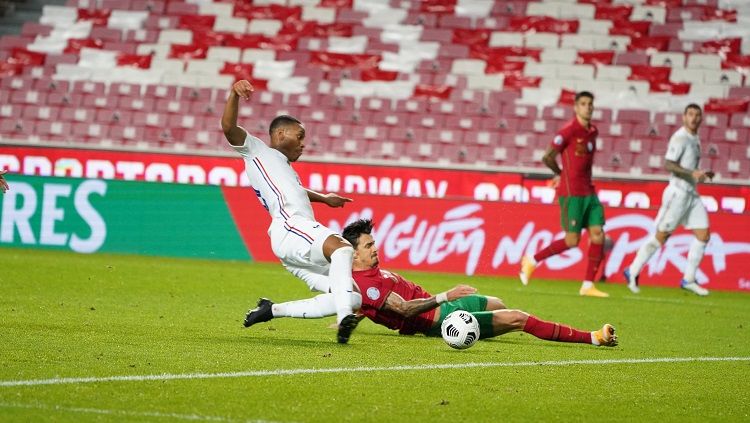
x: 174, y: 327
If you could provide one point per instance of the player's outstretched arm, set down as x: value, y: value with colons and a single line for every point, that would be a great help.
x: 330, y: 199
x: 3, y: 183
x: 411, y: 308
x: 235, y: 134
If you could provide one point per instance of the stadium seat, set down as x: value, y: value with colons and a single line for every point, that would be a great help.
x: 469, y: 72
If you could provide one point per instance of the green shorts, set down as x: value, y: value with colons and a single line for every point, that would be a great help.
x: 474, y: 304
x: 578, y: 212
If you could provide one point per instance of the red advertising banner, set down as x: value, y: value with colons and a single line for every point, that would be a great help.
x: 490, y: 238
x: 345, y: 178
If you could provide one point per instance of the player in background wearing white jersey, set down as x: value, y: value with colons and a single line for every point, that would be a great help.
x: 309, y: 250
x: 681, y: 203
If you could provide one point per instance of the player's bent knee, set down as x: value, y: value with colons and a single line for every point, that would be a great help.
x: 662, y: 237
x: 507, y: 320
x: 494, y: 303
x: 572, y: 241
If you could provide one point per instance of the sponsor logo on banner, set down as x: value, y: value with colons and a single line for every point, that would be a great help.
x: 44, y: 217
x: 462, y: 232
x: 344, y: 178
x: 491, y: 238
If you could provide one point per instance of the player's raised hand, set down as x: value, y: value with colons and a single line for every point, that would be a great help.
x: 243, y: 89
x: 335, y: 200
x: 460, y: 291
x: 3, y: 184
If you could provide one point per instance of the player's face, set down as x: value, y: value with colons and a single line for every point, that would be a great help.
x: 692, y: 119
x: 584, y: 108
x: 366, y: 255
x: 292, y: 141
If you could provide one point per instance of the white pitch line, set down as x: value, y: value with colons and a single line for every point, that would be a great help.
x: 291, y: 372
x: 128, y: 413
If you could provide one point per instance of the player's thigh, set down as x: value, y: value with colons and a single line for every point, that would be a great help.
x: 593, y: 213
x: 697, y: 216
x: 673, y: 210
x: 571, y: 213
x: 299, y: 243
x: 471, y: 303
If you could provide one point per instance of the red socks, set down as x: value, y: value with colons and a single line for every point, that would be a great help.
x: 556, y: 247
x: 596, y: 254
x: 555, y: 331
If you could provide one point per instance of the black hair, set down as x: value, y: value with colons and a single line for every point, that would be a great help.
x: 584, y: 94
x: 282, y: 120
x: 692, y: 106
x: 353, y: 230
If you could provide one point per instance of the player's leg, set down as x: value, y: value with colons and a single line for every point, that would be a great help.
x: 340, y: 253
x: 301, y: 245
x: 669, y: 216
x: 494, y: 303
x: 322, y: 305
x: 643, y: 255
x: 310, y: 308
x: 504, y: 321
x: 568, y: 206
x: 697, y: 221
x: 590, y: 214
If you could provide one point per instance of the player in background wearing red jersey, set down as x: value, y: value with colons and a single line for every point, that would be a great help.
x: 392, y: 301
x: 580, y: 208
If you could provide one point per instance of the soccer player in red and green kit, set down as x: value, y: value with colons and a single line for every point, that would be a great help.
x: 399, y: 304
x: 396, y: 303
x: 580, y: 208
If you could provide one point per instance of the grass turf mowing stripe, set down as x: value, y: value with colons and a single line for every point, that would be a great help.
x: 290, y: 372
x: 127, y: 413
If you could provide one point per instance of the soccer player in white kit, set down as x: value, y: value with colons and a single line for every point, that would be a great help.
x: 681, y: 203
x: 308, y: 249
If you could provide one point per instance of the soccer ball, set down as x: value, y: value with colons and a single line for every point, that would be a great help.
x: 460, y: 329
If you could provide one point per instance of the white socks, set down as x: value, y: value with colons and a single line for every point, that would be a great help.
x: 340, y: 277
x: 644, y: 253
x: 695, y: 255
x: 313, y: 308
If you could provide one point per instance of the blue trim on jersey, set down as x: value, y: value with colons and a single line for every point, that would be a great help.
x: 275, y: 190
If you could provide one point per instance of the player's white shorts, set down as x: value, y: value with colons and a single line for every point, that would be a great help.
x: 298, y: 243
x: 680, y: 207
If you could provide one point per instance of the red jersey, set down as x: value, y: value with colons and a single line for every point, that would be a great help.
x: 576, y: 146
x: 375, y: 285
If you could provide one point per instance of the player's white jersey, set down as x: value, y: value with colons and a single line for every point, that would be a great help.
x: 684, y: 149
x: 276, y: 184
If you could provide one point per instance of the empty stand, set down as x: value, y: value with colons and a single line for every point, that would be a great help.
x: 486, y: 83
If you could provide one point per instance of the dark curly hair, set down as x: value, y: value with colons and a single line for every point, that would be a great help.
x: 353, y: 230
